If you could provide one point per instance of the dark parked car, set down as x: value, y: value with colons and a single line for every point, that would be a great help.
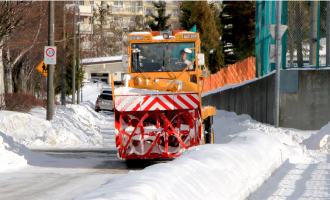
x: 107, y: 91
x: 104, y: 102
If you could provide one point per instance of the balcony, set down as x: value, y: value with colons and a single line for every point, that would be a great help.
x: 131, y: 10
x: 123, y: 24
x: 86, y: 10
x: 86, y: 45
x: 85, y: 28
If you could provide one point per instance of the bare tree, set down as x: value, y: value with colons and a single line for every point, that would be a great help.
x: 12, y: 14
x: 20, y: 52
x: 24, y: 49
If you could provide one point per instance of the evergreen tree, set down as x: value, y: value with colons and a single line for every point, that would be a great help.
x: 160, y: 21
x: 69, y: 68
x: 238, y: 20
x: 186, y: 8
x: 203, y: 17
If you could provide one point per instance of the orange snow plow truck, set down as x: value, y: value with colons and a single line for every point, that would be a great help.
x: 158, y: 111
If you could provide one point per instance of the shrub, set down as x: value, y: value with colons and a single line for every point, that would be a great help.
x: 20, y: 102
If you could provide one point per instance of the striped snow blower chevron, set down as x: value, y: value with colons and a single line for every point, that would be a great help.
x: 158, y: 111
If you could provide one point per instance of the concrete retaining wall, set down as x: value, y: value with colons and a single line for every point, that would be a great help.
x: 304, y: 99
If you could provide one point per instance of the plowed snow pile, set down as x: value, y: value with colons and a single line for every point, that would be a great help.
x: 72, y: 126
x: 11, y: 153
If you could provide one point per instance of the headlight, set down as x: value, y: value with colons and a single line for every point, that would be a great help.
x: 147, y: 37
x: 185, y: 36
x: 166, y: 36
x: 178, y: 37
x: 132, y: 38
x: 140, y: 37
x: 193, y: 36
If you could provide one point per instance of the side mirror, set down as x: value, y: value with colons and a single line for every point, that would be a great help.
x: 125, y: 61
x: 201, y: 60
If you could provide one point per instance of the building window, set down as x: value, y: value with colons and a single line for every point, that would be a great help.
x: 175, y: 13
x: 149, y: 11
x: 118, y: 18
x: 118, y: 3
x: 104, y: 77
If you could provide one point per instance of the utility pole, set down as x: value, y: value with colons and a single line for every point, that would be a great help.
x: 74, y: 57
x: 50, y: 70
x: 78, y: 89
x: 328, y: 36
x: 278, y: 63
x: 63, y: 69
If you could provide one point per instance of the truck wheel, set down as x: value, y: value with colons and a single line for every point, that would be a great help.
x: 208, y: 138
x: 208, y: 132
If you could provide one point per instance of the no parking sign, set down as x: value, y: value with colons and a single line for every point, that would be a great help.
x: 50, y: 55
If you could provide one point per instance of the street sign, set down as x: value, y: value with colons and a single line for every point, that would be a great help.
x: 42, y: 68
x: 271, y: 28
x: 50, y: 55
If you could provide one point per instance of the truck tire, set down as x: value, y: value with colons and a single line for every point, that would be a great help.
x: 208, y: 132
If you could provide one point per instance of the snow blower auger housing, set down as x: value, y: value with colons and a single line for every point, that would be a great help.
x: 158, y: 111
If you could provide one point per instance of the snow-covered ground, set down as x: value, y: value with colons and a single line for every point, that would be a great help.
x: 250, y: 160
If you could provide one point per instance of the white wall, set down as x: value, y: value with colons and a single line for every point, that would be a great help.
x: 110, y: 68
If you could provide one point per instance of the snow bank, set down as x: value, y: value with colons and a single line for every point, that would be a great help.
x: 90, y: 93
x: 228, y: 124
x: 320, y: 140
x: 223, y: 171
x: 11, y: 153
x: 72, y: 126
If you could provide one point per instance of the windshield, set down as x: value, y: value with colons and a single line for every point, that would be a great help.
x: 162, y: 57
x: 106, y: 97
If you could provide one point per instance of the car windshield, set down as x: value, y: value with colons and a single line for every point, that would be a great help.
x: 106, y: 97
x: 162, y: 56
x: 107, y: 91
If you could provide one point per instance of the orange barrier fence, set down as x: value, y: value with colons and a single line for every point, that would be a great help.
x: 232, y: 74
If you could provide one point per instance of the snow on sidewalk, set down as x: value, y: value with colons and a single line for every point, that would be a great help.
x: 306, y: 180
x: 224, y: 171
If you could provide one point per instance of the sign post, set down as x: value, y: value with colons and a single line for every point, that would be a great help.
x: 50, y: 60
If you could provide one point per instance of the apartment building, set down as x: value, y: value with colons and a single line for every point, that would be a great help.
x: 172, y: 7
x: 84, y: 15
x: 121, y: 14
x: 124, y: 13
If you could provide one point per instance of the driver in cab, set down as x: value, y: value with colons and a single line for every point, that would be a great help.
x: 183, y: 58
